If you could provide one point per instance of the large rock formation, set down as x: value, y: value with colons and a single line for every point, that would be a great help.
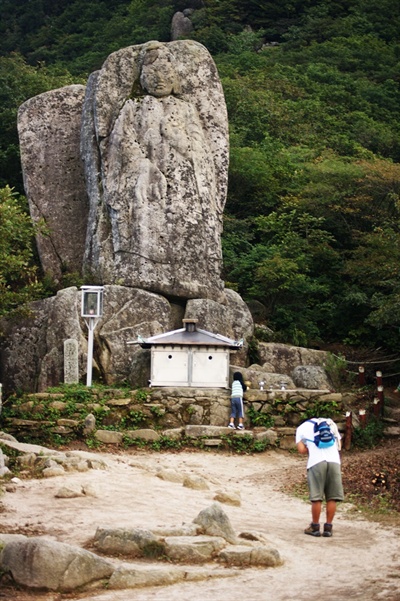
x: 283, y: 358
x: 32, y: 352
x: 155, y: 148
x: 153, y: 137
x: 37, y: 563
x: 130, y: 176
x: 49, y: 129
x: 181, y: 25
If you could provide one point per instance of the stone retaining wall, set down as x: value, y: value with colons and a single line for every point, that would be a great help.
x: 111, y: 416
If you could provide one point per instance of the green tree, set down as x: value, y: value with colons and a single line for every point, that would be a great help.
x: 18, y: 273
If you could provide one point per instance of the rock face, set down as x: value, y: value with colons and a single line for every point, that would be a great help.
x: 32, y: 356
x: 129, y: 175
x: 32, y: 353
x: 232, y: 317
x: 282, y: 358
x: 49, y: 130
x: 310, y: 376
x: 155, y: 128
x: 38, y: 563
x: 181, y: 25
x: 3, y: 468
x: 152, y: 131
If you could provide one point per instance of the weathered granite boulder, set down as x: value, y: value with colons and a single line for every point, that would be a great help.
x: 69, y: 492
x: 32, y: 351
x: 238, y: 555
x: 126, y: 577
x: 230, y: 497
x: 269, y: 436
x: 181, y: 25
x: 143, y: 215
x: 170, y: 475
x: 45, y: 564
x: 49, y: 131
x: 143, y: 434
x: 195, y: 482
x: 198, y: 431
x: 215, y: 522
x: 311, y: 376
x: 3, y: 468
x: 271, y: 380
x: 63, y: 322
x: 189, y: 529
x: 231, y: 317
x: 109, y: 436
x: 89, y: 425
x: 283, y: 365
x: 127, y: 313
x: 135, y: 542
x: 23, y: 348
x: 5, y: 539
x: 155, y: 150
x: 283, y: 358
x: 53, y: 471
x: 49, y: 462
x: 193, y: 549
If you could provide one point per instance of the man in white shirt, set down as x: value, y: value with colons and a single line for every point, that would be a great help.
x: 323, y: 474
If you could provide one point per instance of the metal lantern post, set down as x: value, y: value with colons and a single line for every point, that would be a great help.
x: 92, y: 310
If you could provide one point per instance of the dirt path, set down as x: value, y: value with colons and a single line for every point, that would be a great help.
x: 361, y: 560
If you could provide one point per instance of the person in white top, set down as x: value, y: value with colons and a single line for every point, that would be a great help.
x: 323, y: 473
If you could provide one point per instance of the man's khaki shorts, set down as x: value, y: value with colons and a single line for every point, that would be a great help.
x: 325, y: 482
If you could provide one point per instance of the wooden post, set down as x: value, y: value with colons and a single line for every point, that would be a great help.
x: 379, y: 394
x: 361, y: 375
x: 348, y: 431
x: 381, y: 398
x: 363, y: 418
x: 376, y: 406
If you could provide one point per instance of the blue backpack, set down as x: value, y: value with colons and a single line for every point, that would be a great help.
x: 323, y: 435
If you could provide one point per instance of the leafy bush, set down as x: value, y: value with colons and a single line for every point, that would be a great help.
x: 141, y: 395
x: 336, y: 368
x: 165, y: 443
x: 258, y: 418
x: 244, y: 444
x: 320, y: 408
x: 370, y: 436
x: 18, y: 275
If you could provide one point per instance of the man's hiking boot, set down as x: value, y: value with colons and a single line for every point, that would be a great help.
x: 327, y: 530
x: 313, y: 530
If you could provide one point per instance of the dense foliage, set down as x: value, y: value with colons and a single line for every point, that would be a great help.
x: 311, y: 236
x: 18, y: 274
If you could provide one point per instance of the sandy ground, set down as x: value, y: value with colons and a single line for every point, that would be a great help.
x: 361, y: 561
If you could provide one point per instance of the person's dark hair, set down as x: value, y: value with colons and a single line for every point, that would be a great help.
x: 238, y: 376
